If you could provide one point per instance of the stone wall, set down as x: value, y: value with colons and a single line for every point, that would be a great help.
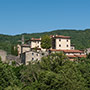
x: 11, y: 58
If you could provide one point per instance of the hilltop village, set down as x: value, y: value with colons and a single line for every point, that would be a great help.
x: 33, y: 50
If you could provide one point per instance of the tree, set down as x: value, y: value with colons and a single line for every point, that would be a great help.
x: 54, y: 72
x: 58, y: 73
x: 88, y: 56
x: 0, y: 58
x: 7, y: 77
x: 14, y: 50
x: 46, y: 42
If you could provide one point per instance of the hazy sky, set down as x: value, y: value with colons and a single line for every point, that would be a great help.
x: 30, y: 16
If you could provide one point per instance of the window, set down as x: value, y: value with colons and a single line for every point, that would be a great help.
x: 32, y: 53
x: 37, y: 54
x: 68, y: 53
x: 59, y: 39
x: 32, y: 58
x: 67, y: 40
x: 42, y: 53
x: 59, y: 45
x: 67, y: 45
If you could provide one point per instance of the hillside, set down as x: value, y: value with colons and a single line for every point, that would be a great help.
x: 81, y: 38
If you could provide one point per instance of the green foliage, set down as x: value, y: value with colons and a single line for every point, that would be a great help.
x: 88, y: 56
x: 7, y: 76
x: 54, y: 72
x: 12, y: 88
x: 60, y: 74
x: 13, y: 63
x: 0, y: 58
x: 46, y: 42
x: 84, y: 68
x: 14, y: 50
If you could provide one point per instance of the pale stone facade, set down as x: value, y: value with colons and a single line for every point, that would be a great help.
x: 63, y: 44
x: 58, y: 42
x: 35, y: 43
x: 32, y: 56
x: 23, y: 48
x: 3, y: 55
x: 19, y: 49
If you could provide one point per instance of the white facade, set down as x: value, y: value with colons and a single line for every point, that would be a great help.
x: 58, y: 42
x: 64, y: 44
x: 35, y: 44
x: 3, y: 55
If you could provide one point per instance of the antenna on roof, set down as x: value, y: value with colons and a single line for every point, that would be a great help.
x: 22, y: 40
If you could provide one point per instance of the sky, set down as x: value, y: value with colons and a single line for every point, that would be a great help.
x: 32, y: 16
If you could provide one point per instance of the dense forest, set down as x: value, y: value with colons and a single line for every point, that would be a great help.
x: 54, y: 72
x: 81, y: 38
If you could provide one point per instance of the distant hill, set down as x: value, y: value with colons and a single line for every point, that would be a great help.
x: 81, y: 38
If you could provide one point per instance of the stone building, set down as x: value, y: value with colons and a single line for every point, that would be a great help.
x: 23, y: 48
x: 35, y: 42
x: 32, y: 56
x: 60, y: 43
x: 71, y: 54
x: 3, y: 55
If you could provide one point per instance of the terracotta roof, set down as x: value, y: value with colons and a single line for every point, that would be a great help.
x: 72, y: 51
x: 56, y: 50
x: 36, y: 48
x: 35, y: 39
x: 52, y: 36
x: 73, y: 56
x: 61, y: 36
x: 25, y: 45
x: 67, y: 51
x: 80, y: 55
